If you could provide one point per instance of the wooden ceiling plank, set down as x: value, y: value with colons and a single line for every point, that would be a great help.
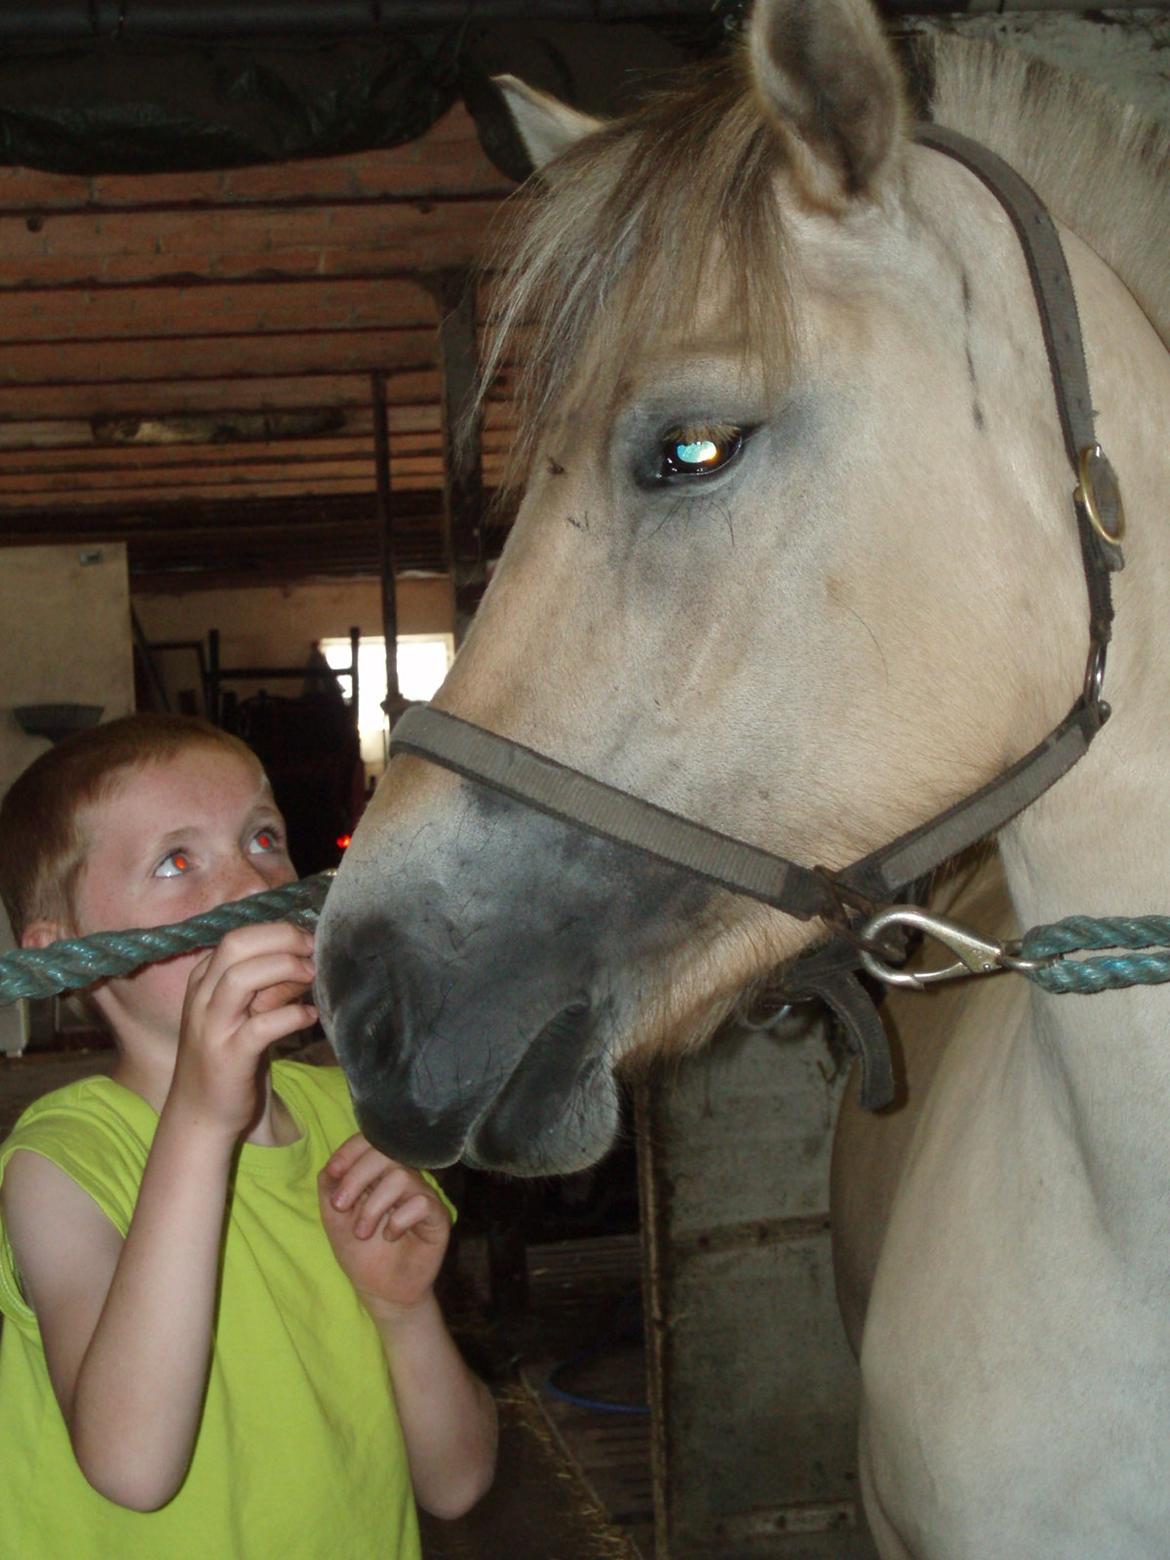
x: 73, y: 438
x: 260, y: 392
x: 302, y: 451
x: 168, y: 314
x: 249, y: 516
x: 416, y: 475
x: 144, y: 363
x: 117, y: 249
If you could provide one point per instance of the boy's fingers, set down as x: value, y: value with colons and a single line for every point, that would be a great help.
x: 238, y: 986
x: 420, y: 1213
x: 276, y: 996
x: 368, y: 1170
x: 264, y: 1028
x: 246, y: 942
x: 384, y: 1193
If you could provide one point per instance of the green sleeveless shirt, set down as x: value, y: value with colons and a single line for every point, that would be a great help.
x: 299, y: 1451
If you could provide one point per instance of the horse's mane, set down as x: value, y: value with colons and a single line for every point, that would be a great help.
x: 1100, y: 165
x: 622, y: 233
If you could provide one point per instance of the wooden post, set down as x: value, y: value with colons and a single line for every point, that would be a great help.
x: 385, y: 513
x: 462, y: 444
x: 752, y: 1387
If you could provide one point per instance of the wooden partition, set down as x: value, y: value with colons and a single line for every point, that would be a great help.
x: 752, y: 1386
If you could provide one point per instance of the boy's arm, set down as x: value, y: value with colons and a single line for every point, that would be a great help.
x: 389, y: 1231
x: 448, y: 1416
x: 127, y: 1325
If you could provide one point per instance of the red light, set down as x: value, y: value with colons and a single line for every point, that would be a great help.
x: 343, y: 840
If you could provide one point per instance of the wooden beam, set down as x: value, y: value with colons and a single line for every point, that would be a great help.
x: 72, y: 439
x: 149, y: 248
x: 220, y: 311
x: 47, y: 494
x: 163, y: 395
x: 300, y: 452
x: 151, y: 362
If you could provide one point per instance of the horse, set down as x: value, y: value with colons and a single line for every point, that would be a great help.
x: 794, y: 560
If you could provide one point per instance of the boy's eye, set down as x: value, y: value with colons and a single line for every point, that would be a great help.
x: 173, y: 865
x: 264, y: 841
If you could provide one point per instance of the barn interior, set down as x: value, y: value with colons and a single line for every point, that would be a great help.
x: 245, y: 262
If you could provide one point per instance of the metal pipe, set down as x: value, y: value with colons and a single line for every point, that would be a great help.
x: 211, y: 688
x: 385, y: 514
x: 355, y: 639
x: 149, y: 664
x: 70, y: 20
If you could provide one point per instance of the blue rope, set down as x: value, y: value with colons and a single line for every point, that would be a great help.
x: 79, y: 961
x: 1111, y: 971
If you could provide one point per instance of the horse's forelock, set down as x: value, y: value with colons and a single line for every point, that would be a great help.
x: 620, y: 240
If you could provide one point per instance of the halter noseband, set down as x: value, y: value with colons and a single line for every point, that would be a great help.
x: 829, y: 972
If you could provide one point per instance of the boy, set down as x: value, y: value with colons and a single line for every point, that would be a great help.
x: 213, y: 1346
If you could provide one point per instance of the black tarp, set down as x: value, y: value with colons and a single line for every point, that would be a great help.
x: 125, y: 106
x: 150, y: 105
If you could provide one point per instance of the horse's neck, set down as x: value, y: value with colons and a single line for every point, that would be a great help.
x: 1099, y: 842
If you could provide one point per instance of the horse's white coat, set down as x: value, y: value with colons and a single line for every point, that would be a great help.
x: 1016, y: 1358
x: 892, y: 609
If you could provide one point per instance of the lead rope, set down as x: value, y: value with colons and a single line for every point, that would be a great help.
x: 79, y: 961
x: 1051, y: 945
x: 1041, y: 954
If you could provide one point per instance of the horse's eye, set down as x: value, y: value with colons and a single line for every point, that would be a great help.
x: 698, y: 452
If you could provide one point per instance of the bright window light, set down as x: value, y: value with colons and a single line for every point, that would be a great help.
x: 423, y: 660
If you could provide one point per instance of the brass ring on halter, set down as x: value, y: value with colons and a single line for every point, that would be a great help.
x: 1100, y: 493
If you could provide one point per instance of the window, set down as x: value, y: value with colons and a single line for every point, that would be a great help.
x: 423, y: 660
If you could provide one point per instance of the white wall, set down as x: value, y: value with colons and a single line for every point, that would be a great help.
x: 64, y: 639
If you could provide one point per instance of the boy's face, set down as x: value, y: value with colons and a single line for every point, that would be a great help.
x: 173, y: 839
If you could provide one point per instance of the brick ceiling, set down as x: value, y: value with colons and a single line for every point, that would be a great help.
x: 186, y: 359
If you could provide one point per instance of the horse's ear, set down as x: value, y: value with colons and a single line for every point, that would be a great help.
x: 546, y: 125
x: 825, y: 73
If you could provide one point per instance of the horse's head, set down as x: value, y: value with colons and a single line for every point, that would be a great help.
x: 794, y: 486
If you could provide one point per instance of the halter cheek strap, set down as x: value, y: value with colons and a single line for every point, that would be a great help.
x: 829, y: 972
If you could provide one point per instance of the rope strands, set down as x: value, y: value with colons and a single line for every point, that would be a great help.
x: 1110, y: 971
x: 79, y: 961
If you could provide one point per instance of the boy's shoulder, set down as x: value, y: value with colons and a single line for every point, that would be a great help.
x: 99, y: 1134
x: 86, y: 1104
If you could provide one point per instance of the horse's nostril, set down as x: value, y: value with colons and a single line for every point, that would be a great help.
x: 568, y: 1023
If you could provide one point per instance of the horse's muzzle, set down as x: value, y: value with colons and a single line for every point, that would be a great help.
x: 476, y: 976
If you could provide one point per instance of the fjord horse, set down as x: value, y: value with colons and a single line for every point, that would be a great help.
x: 795, y: 560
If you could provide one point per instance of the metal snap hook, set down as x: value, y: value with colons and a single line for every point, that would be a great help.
x: 974, y: 955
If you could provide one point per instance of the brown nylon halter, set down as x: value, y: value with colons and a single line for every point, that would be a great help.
x: 830, y: 971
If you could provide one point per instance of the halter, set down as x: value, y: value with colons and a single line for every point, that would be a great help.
x: 829, y: 972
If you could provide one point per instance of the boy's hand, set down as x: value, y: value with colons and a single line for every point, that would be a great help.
x: 241, y: 997
x: 387, y: 1226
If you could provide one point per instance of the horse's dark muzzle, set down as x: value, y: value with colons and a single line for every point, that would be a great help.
x: 470, y: 987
